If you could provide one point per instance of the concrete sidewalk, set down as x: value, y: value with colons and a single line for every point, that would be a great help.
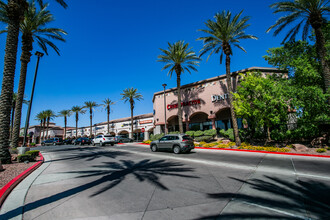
x: 13, y: 206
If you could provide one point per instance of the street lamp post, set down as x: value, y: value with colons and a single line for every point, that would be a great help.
x: 164, y: 85
x: 39, y: 55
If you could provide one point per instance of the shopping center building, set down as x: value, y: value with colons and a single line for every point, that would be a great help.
x: 205, y: 103
x: 143, y: 126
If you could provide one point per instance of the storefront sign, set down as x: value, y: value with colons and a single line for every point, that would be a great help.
x: 189, y: 103
x: 217, y: 98
x: 145, y: 122
x: 128, y: 124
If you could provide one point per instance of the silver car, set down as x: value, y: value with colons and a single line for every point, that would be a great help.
x: 103, y: 140
x: 175, y: 142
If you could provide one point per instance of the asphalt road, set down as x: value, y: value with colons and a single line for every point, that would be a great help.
x: 131, y: 182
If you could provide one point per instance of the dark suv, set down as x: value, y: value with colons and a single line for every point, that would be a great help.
x: 175, y: 142
x: 82, y: 141
x: 52, y: 141
x: 122, y: 139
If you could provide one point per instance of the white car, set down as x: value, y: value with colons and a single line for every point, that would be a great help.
x: 103, y: 140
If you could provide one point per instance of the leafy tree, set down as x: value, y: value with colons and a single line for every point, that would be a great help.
x: 90, y: 105
x: 261, y: 100
x: 310, y: 13
x: 223, y: 33
x: 15, y: 10
x: 179, y: 58
x: 65, y: 114
x: 130, y: 95
x: 107, y: 103
x: 77, y: 110
x: 33, y: 28
x: 41, y: 116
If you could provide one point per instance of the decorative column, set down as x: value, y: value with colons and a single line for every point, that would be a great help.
x: 146, y: 135
x: 212, y: 117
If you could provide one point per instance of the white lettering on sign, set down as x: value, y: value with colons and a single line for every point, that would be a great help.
x: 217, y: 98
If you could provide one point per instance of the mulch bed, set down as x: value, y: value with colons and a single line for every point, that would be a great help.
x: 12, y: 170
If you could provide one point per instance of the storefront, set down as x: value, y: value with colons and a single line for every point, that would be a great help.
x: 205, y: 104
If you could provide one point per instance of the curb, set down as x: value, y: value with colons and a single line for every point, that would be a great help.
x: 5, y: 191
x: 262, y: 152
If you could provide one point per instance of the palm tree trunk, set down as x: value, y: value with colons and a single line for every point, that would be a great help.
x: 40, y: 131
x: 321, y: 51
x: 178, y: 84
x: 132, y: 107
x: 77, y: 125
x: 25, y: 59
x: 64, y: 136
x: 12, y: 120
x: 43, y: 129
x: 230, y: 91
x: 108, y: 114
x: 48, y: 119
x: 15, y: 12
x: 91, y: 118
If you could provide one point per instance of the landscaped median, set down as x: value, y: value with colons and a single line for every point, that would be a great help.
x: 5, y: 190
x: 292, y: 149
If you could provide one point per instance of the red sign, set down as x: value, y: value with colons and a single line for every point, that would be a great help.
x: 142, y: 129
x: 189, y: 103
x: 145, y: 122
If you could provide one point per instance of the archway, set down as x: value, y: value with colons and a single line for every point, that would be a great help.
x: 199, y: 121
x: 112, y: 133
x: 223, y: 119
x: 123, y: 133
x: 173, y: 123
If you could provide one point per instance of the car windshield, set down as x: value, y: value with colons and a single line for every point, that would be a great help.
x: 108, y: 136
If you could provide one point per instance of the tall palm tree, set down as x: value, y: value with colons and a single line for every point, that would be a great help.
x: 77, y: 110
x: 179, y: 58
x: 41, y: 117
x: 90, y: 105
x: 308, y: 13
x: 65, y: 114
x: 130, y: 95
x: 15, y: 9
x: 50, y: 115
x: 33, y: 28
x: 223, y: 33
x: 107, y: 103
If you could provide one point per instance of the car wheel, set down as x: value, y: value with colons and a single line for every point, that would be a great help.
x: 154, y: 148
x: 54, y: 144
x: 188, y: 151
x: 112, y: 144
x: 93, y: 143
x: 42, y: 144
x: 176, y: 149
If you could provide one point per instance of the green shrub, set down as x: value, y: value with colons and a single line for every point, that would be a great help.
x: 210, y: 132
x: 198, y: 133
x: 32, y: 144
x: 228, y: 134
x: 25, y: 157
x: 156, y: 137
x: 321, y: 150
x: 203, y: 138
x: 174, y: 132
x: 190, y: 133
x: 33, y: 153
x: 13, y: 150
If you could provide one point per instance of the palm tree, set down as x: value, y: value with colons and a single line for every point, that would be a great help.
x: 130, y: 95
x: 15, y: 9
x: 77, y: 110
x: 42, y: 118
x: 50, y: 115
x: 33, y: 28
x: 90, y: 105
x: 310, y: 13
x: 179, y: 58
x: 223, y: 33
x: 107, y: 103
x: 65, y: 114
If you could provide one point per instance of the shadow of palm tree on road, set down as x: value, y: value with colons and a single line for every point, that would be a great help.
x: 301, y: 196
x: 113, y: 173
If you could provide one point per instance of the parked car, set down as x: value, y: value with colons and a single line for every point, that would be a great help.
x: 82, y: 141
x: 103, y: 140
x: 122, y: 139
x: 67, y: 141
x: 52, y: 141
x: 175, y: 142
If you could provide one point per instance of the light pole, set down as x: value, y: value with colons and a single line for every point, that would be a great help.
x: 38, y: 54
x: 164, y: 85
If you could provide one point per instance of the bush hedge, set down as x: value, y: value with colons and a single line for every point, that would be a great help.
x: 25, y: 157
x: 33, y: 153
x: 156, y: 137
x: 228, y: 134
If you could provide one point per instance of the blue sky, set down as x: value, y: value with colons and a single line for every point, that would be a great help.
x: 113, y: 45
